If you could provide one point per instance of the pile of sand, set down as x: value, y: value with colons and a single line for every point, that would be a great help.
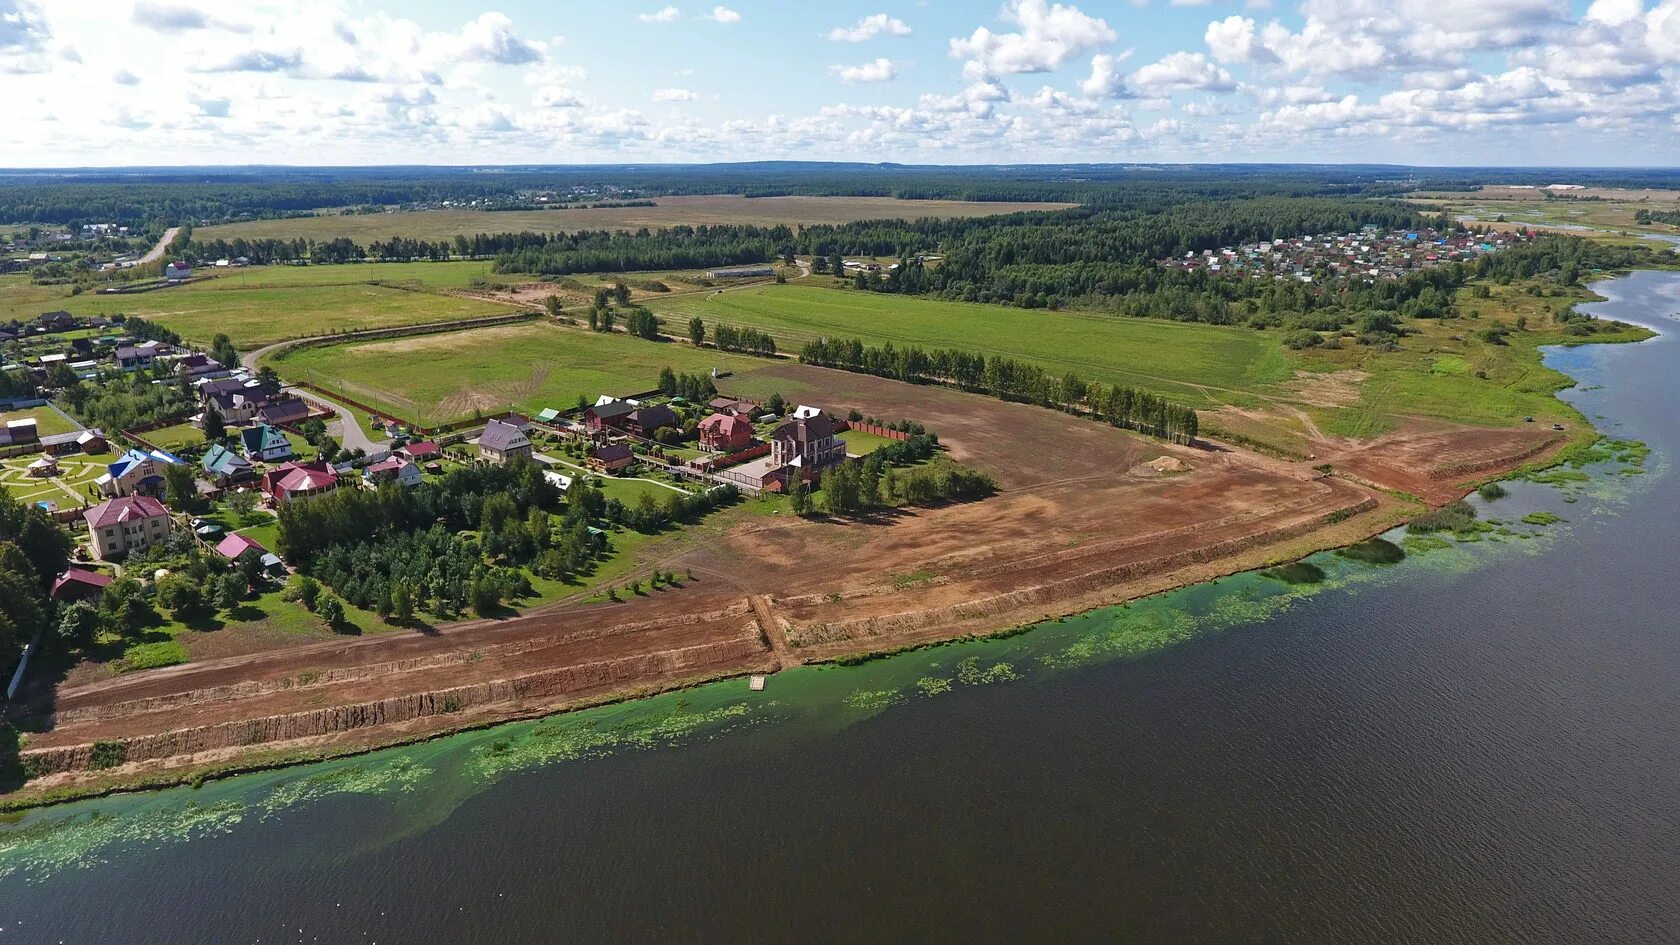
x: 1160, y: 466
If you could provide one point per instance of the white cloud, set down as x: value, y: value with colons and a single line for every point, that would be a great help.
x: 723, y: 15
x: 556, y: 96
x: 674, y: 95
x: 125, y: 77
x: 881, y: 70
x: 1183, y: 72
x: 1106, y: 79
x: 869, y: 27
x: 665, y: 15
x: 490, y: 38
x: 1050, y: 35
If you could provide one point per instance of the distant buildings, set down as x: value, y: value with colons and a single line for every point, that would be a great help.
x: 741, y: 272
x: 1368, y: 255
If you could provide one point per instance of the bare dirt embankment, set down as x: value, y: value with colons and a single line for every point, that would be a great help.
x: 1086, y: 516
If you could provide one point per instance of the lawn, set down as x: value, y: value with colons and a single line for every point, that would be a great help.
x: 669, y: 211
x: 68, y: 488
x: 1174, y: 358
x: 859, y: 443
x: 262, y: 305
x: 432, y: 379
x: 175, y: 437
x: 47, y: 420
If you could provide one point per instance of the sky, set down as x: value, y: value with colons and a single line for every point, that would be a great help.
x: 345, y: 82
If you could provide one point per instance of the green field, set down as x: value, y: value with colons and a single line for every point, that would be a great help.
x: 68, y: 488
x: 47, y: 420
x: 1191, y: 362
x: 262, y: 305
x: 432, y: 379
x: 177, y: 437
x: 859, y: 443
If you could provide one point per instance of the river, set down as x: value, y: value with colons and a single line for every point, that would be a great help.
x: 1480, y: 743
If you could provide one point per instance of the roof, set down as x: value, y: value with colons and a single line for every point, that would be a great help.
x: 134, y: 457
x: 724, y: 423
x: 612, y: 409
x: 235, y: 545
x: 82, y: 576
x: 26, y: 422
x: 422, y: 448
x: 126, y: 509
x: 652, y: 418
x: 804, y: 411
x: 502, y: 437
x: 263, y: 438
x: 301, y: 477
x: 223, y: 461
x: 806, y: 429
x: 548, y: 415
x: 611, y: 454
x: 284, y: 410
x: 136, y: 351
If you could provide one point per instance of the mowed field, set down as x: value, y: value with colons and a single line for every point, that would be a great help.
x: 1199, y: 364
x: 669, y: 211
x: 266, y: 304
x: 432, y: 379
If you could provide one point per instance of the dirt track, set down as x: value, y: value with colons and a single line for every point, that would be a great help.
x: 1080, y: 521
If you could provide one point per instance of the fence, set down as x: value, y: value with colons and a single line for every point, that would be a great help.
x: 871, y: 428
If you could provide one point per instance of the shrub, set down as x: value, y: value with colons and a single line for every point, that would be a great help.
x: 1457, y: 516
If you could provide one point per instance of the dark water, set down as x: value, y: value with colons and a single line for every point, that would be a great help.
x: 1481, y: 744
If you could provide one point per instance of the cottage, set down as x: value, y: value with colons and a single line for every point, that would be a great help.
x: 293, y: 480
x: 503, y: 443
x: 611, y: 415
x: 76, y: 441
x: 420, y: 450
x: 725, y: 433
x: 224, y: 466
x: 644, y: 420
x: 613, y: 458
x: 79, y: 584
x: 139, y: 357
x: 808, y: 444
x: 136, y: 471
x: 235, y: 545
x: 177, y: 271
x: 126, y: 524
x: 400, y: 471
x: 286, y: 410
x: 57, y: 321
x: 265, y: 444
x: 197, y: 365
x: 733, y: 407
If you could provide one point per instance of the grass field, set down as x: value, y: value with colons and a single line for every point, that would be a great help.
x: 47, y: 420
x: 267, y: 304
x: 68, y: 488
x: 670, y: 211
x: 859, y: 443
x: 432, y: 379
x: 176, y: 437
x: 1608, y: 217
x: 1196, y: 363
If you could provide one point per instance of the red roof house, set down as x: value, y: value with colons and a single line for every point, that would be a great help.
x: 233, y: 546
x: 290, y: 481
x: 725, y: 433
x: 421, y: 450
x: 79, y: 584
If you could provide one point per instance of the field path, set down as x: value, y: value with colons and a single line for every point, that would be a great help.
x: 156, y: 252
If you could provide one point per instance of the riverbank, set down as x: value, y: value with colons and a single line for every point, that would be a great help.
x: 1065, y: 536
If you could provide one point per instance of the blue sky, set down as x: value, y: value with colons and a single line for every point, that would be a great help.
x: 110, y: 82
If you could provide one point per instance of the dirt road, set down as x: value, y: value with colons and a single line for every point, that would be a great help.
x: 156, y: 252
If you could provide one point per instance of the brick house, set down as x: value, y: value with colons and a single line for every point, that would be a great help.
x: 117, y: 527
x: 725, y: 433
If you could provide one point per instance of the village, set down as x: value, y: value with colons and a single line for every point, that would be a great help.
x: 1368, y: 255
x: 209, y: 482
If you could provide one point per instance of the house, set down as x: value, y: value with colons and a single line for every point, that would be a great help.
x: 733, y: 407
x: 197, y: 365
x: 224, y: 466
x: 57, y: 321
x: 808, y: 444
x: 644, y: 420
x: 420, y: 450
x: 177, y: 271
x: 79, y: 584
x: 610, y: 415
x: 235, y: 545
x: 284, y: 411
x: 611, y: 459
x: 126, y: 524
x: 400, y: 471
x: 136, y: 471
x: 266, y: 444
x: 293, y: 480
x: 503, y: 443
x: 139, y: 357
x: 725, y: 433
x: 76, y: 441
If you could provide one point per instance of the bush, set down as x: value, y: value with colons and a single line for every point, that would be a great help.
x: 1491, y: 491
x: 1302, y: 338
x: 1458, y: 516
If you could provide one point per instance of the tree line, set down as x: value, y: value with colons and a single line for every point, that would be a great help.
x: 1009, y: 379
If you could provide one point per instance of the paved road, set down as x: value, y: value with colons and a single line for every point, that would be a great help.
x: 162, y: 244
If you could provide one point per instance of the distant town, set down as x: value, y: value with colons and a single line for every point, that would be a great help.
x: 1369, y: 254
